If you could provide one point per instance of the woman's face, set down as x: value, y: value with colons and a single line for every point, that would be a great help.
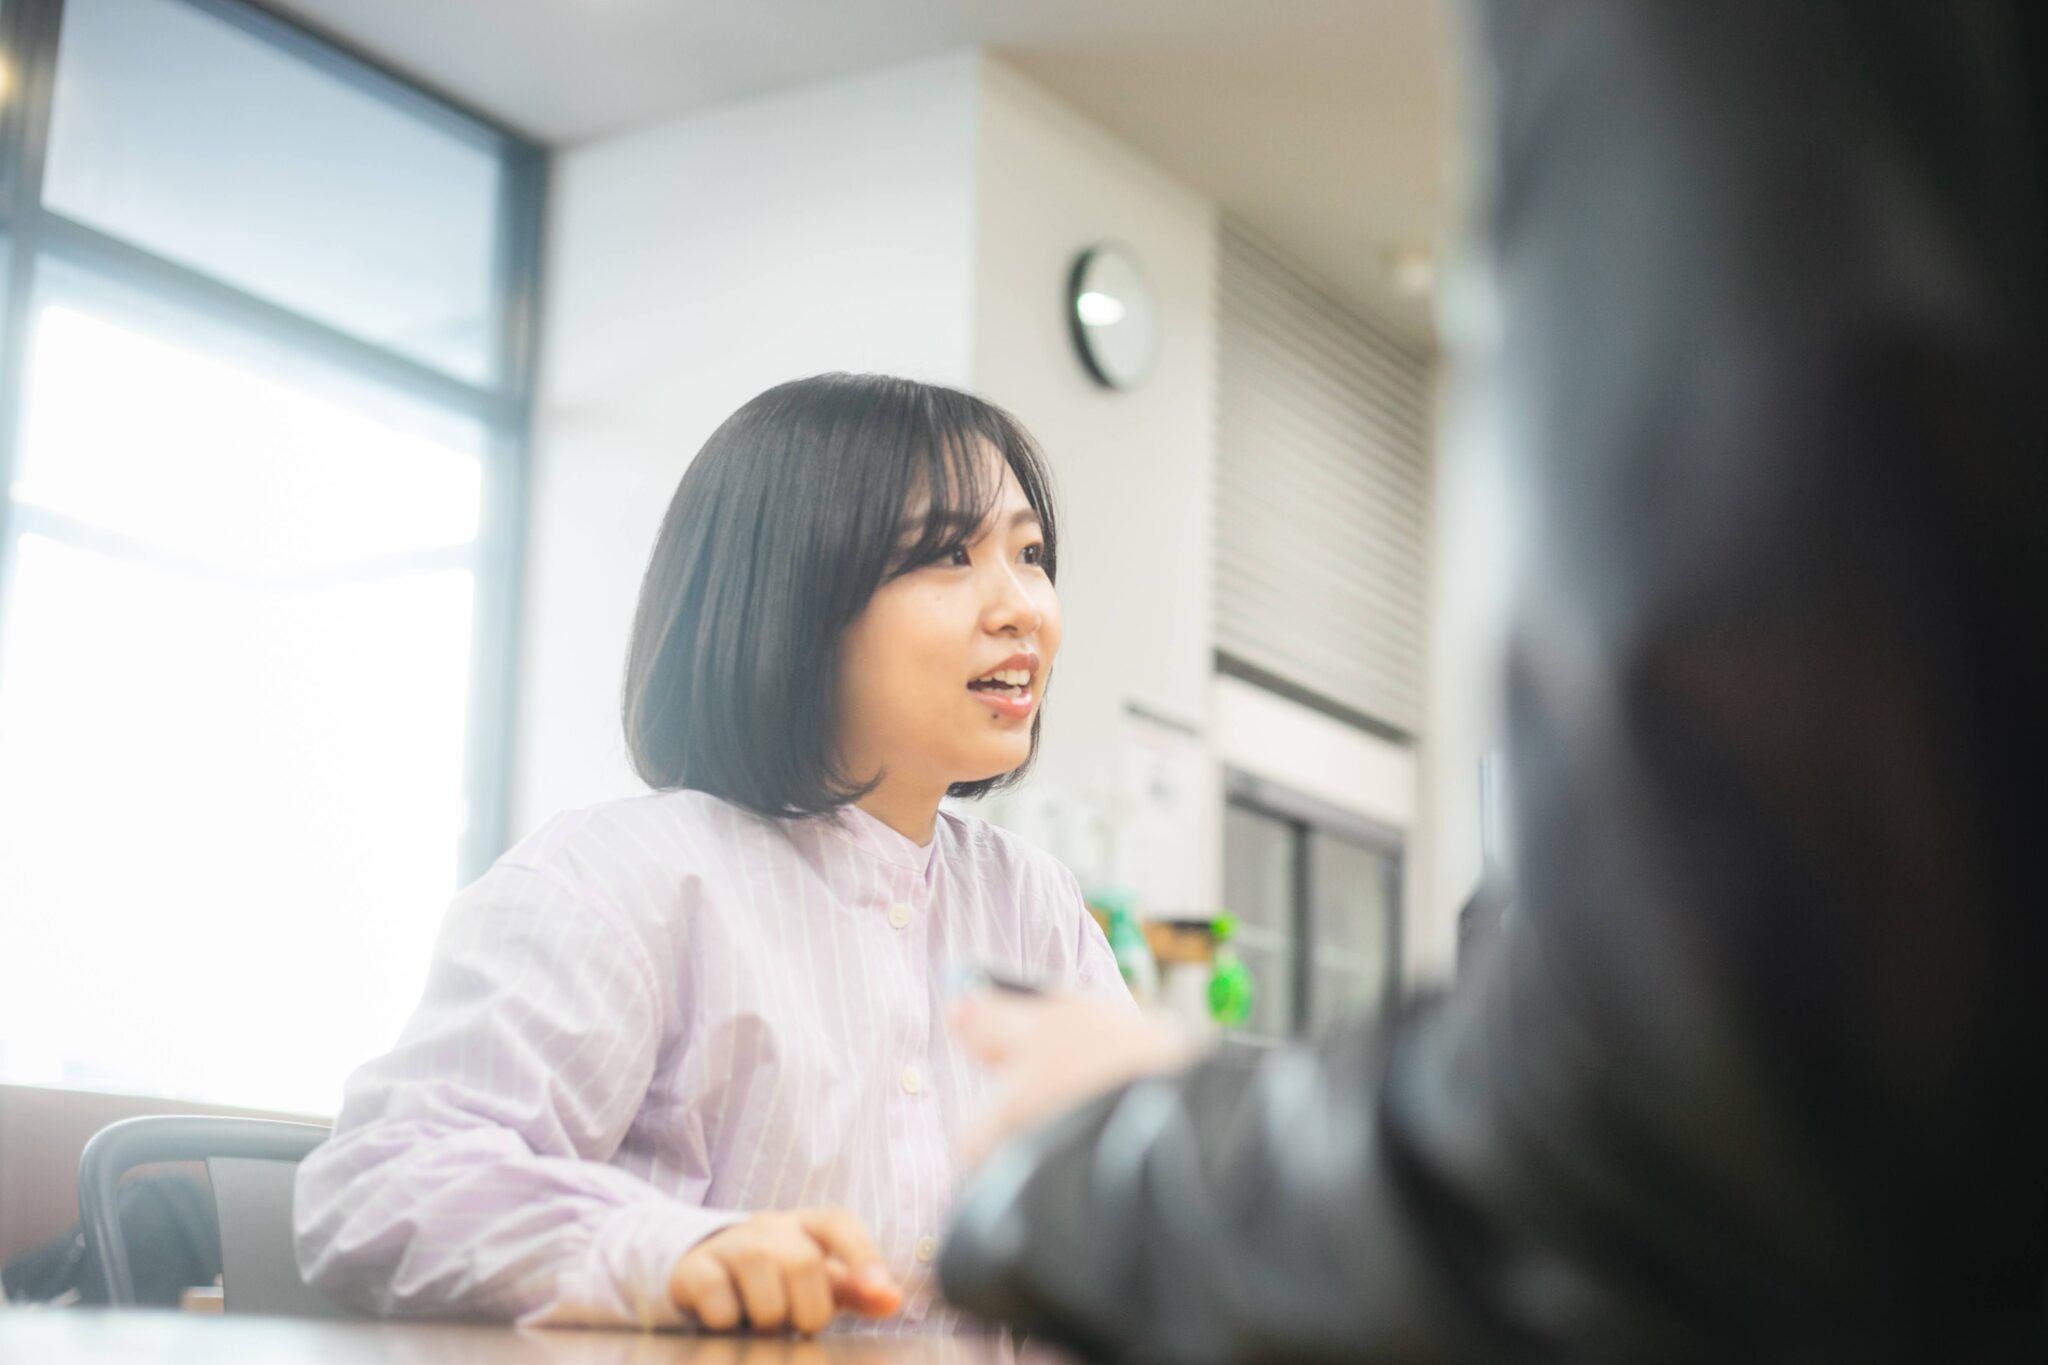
x: 943, y: 672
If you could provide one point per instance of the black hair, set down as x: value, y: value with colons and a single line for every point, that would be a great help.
x: 781, y: 530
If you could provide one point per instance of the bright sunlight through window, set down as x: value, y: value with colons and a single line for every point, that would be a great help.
x: 233, y: 686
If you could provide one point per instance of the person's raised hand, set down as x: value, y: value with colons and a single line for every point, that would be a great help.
x: 1050, y: 1053
x: 784, y: 1271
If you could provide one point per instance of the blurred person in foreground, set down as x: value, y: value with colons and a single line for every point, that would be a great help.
x: 1755, y: 1071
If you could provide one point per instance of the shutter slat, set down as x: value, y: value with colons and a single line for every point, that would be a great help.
x: 1322, y: 489
x: 1331, y: 361
x: 1272, y: 399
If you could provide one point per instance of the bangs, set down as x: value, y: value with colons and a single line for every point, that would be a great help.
x: 953, y: 484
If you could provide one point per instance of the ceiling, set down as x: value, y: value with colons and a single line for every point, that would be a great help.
x: 1322, y: 124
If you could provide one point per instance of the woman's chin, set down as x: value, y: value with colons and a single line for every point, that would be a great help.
x: 988, y: 767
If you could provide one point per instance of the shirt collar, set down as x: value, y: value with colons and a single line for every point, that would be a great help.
x: 880, y: 841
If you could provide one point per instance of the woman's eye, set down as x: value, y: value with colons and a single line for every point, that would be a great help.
x: 1034, y: 554
x: 955, y: 555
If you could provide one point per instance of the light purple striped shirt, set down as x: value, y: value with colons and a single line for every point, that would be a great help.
x: 657, y: 1016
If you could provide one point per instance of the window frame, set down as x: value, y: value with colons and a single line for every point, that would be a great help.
x: 30, y: 232
x: 1304, y: 817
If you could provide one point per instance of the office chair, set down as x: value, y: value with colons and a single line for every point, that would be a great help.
x: 251, y: 1164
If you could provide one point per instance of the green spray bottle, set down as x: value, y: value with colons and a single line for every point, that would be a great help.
x: 1230, y: 981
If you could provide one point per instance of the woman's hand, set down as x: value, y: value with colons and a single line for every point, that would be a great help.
x: 784, y: 1270
x: 1051, y: 1053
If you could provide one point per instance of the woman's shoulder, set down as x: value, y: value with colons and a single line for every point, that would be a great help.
x: 660, y: 839
x: 1036, y: 890
x: 985, y: 849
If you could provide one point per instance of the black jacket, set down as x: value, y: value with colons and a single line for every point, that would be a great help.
x: 1755, y: 1071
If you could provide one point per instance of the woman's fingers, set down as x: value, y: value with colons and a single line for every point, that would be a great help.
x: 702, y: 1285
x: 785, y: 1270
x: 760, y: 1278
x: 859, y: 1280
x: 810, y: 1293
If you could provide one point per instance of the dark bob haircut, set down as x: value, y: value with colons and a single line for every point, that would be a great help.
x: 783, y: 527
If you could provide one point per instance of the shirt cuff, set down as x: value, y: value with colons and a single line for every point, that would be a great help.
x: 623, y: 1278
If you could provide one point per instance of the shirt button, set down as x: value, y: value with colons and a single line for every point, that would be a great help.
x: 927, y: 1247
x: 899, y: 915
x: 912, y: 1082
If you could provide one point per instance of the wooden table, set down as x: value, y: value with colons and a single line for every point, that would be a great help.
x: 64, y: 1336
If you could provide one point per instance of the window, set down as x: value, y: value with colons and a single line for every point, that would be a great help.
x: 264, y: 317
x: 1316, y: 892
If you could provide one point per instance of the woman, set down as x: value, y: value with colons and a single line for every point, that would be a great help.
x: 682, y: 1059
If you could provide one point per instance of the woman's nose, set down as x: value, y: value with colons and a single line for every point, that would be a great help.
x: 1011, y: 607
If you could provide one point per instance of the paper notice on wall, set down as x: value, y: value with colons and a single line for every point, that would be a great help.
x: 1164, y: 816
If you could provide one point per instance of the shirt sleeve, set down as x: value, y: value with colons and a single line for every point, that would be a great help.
x: 1096, y: 974
x: 467, y: 1173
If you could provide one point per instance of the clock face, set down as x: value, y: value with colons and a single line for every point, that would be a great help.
x: 1113, y: 317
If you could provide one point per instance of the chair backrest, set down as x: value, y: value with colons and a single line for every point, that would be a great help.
x: 251, y: 1164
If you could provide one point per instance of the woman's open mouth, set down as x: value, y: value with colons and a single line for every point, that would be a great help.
x: 1008, y: 690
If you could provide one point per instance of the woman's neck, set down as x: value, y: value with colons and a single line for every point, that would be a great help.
x: 909, y: 810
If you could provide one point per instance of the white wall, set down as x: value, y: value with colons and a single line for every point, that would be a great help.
x: 1268, y: 736
x: 1470, y: 591
x: 1134, y: 469
x: 691, y: 265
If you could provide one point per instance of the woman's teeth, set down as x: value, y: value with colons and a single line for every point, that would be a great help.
x: 1004, y: 677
